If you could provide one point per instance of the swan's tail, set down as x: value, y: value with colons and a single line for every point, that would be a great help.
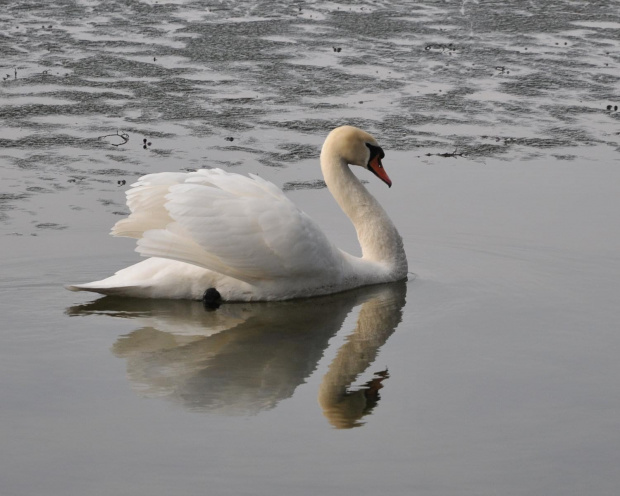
x: 110, y: 290
x: 131, y: 281
x: 153, y: 278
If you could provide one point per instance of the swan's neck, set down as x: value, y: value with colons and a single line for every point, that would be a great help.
x: 378, y: 237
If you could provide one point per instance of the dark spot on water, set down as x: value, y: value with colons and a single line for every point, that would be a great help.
x: 38, y: 189
x: 294, y: 152
x: 109, y: 172
x: 162, y: 153
x: 297, y: 185
x: 453, y: 154
x: 5, y: 197
x: 50, y: 225
x: 564, y: 157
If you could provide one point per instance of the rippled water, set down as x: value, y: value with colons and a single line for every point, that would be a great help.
x: 492, y: 371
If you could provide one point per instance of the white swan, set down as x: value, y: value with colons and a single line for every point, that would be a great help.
x: 242, y: 236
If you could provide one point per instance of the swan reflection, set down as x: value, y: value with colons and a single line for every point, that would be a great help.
x: 246, y: 357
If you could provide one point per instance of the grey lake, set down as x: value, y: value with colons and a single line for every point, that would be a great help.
x: 493, y: 370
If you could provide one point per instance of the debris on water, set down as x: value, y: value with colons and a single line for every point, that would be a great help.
x: 454, y: 154
x: 296, y: 185
x: 442, y: 47
x: 50, y: 225
x: 117, y: 139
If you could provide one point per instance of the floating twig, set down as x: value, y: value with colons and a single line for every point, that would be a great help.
x: 123, y: 136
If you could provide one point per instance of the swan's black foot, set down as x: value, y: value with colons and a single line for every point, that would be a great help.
x: 211, y: 299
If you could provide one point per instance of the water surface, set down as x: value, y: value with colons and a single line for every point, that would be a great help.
x: 493, y: 370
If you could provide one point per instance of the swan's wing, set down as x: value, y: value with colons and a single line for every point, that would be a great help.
x: 243, y: 227
x: 146, y: 200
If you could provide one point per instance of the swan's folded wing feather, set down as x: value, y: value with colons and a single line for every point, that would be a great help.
x: 146, y: 199
x: 239, y: 226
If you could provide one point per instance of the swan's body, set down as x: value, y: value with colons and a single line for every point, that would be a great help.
x: 242, y: 236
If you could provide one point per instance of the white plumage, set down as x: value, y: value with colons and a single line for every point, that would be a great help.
x: 242, y: 235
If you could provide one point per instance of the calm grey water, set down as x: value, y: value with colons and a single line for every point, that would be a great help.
x: 493, y: 370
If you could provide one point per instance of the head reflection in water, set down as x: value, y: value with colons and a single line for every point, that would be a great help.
x: 247, y: 357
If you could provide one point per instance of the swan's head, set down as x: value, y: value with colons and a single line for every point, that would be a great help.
x: 357, y: 147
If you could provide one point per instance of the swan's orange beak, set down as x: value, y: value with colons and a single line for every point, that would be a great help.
x: 376, y: 167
